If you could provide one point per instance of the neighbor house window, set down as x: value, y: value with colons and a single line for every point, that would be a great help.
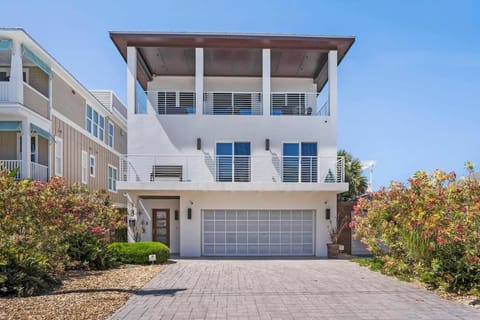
x: 58, y: 156
x: 111, y: 130
x: 95, y: 123
x: 112, y: 178
x: 84, y: 167
x: 92, y: 166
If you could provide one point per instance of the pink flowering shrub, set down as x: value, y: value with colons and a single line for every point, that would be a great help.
x: 47, y: 227
x: 428, y: 228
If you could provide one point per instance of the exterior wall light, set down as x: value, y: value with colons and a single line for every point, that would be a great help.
x: 267, y: 144
x: 189, y: 213
x: 176, y: 215
x: 199, y: 144
x: 327, y: 214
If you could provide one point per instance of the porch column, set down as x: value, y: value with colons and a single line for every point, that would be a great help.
x: 266, y: 81
x: 332, y: 83
x: 50, y: 92
x: 199, y: 81
x: 16, y: 73
x: 131, y: 79
x: 26, y: 149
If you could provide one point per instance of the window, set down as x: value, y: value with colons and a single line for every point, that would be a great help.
x: 95, y: 123
x: 88, y: 124
x: 300, y: 162
x: 101, y: 128
x: 92, y: 166
x: 111, y: 131
x: 33, y: 148
x: 84, y: 167
x: 233, y: 161
x: 58, y: 156
x: 112, y: 178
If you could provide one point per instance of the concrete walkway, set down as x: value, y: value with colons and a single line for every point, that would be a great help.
x: 284, y: 289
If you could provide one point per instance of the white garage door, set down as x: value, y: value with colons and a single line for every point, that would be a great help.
x: 257, y: 232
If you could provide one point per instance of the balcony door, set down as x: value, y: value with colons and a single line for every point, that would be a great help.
x: 300, y: 162
x: 233, y: 162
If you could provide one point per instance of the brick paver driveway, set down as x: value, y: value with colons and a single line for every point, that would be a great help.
x: 283, y: 289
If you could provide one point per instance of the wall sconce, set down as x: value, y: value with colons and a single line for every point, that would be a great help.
x: 189, y: 213
x: 267, y: 144
x: 327, y: 214
x: 176, y: 215
x: 199, y: 144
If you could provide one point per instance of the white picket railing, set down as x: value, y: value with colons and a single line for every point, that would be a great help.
x: 4, y: 87
x: 38, y: 171
x: 232, y: 168
x: 232, y: 103
x: 11, y: 165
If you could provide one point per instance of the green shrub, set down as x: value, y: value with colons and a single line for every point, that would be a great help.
x: 120, y: 234
x: 24, y: 275
x: 137, y: 253
x: 86, y: 251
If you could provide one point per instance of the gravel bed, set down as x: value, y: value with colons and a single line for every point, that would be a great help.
x: 83, y: 295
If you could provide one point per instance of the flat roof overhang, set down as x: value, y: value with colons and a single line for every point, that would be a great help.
x: 303, y: 56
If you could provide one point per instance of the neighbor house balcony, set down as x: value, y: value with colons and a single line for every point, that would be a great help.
x: 37, y: 171
x: 209, y: 172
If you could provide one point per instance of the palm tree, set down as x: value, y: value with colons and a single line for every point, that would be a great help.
x: 357, y: 183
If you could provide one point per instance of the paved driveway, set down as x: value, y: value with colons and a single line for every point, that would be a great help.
x: 283, y: 289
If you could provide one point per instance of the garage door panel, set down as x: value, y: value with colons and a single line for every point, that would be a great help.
x: 257, y: 232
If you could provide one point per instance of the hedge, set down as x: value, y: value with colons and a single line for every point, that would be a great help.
x: 138, y: 252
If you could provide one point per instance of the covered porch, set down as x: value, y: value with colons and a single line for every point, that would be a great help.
x: 25, y: 148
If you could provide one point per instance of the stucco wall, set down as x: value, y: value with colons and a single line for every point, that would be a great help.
x: 190, y: 230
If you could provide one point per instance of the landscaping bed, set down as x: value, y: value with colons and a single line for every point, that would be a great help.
x: 83, y: 295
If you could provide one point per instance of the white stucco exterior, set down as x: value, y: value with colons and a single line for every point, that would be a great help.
x: 187, y: 142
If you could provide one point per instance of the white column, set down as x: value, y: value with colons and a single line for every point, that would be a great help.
x: 131, y: 79
x: 332, y: 83
x: 26, y: 149
x: 199, y: 80
x: 266, y: 81
x: 16, y: 73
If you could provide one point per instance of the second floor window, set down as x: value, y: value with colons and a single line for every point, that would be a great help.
x: 233, y: 161
x: 300, y: 162
x: 111, y: 130
x: 95, y: 123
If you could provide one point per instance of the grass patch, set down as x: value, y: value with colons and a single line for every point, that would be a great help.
x: 372, y: 263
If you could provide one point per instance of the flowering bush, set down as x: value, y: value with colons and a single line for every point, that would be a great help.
x: 429, y: 228
x: 40, y: 224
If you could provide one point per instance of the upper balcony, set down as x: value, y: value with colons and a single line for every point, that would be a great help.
x: 234, y: 172
x: 232, y: 74
x: 24, y: 78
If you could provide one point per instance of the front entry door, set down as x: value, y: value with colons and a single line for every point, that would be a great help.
x: 161, y: 226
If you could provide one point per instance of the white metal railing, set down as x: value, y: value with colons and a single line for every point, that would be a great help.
x: 298, y: 104
x: 172, y: 102
x: 232, y: 103
x: 232, y: 168
x: 4, y: 87
x: 38, y: 171
x: 12, y: 165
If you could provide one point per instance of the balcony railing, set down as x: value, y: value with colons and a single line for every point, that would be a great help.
x: 172, y: 102
x: 232, y: 168
x: 4, y: 87
x: 38, y: 171
x: 298, y: 104
x: 11, y: 165
x: 232, y: 103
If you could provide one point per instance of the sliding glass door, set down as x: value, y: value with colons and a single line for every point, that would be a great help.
x: 233, y: 162
x: 300, y: 162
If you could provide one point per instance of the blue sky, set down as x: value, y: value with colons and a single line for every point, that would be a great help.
x: 408, y: 89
